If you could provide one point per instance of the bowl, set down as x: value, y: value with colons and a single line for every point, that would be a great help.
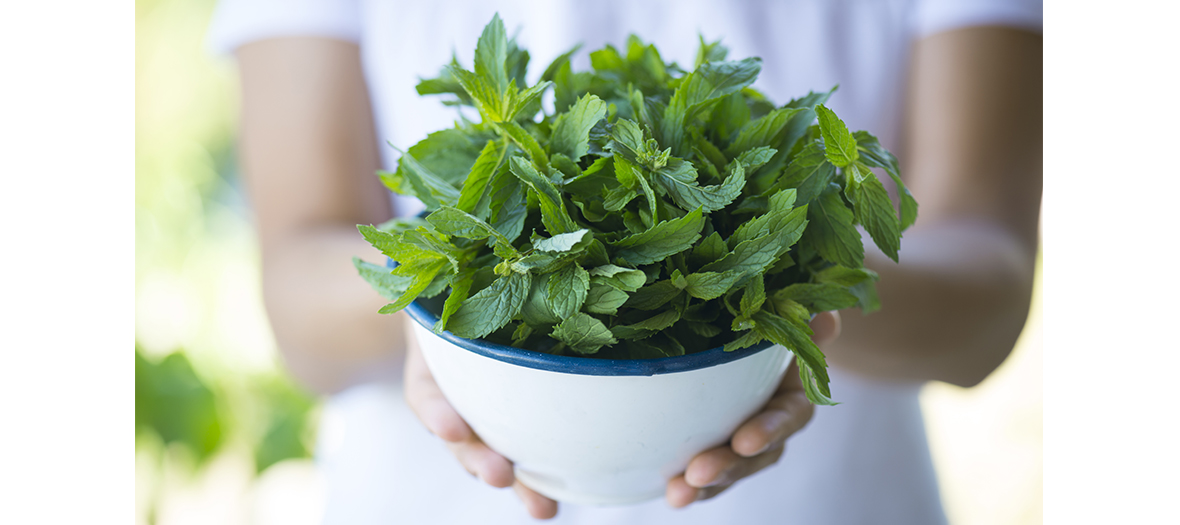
x: 598, y: 431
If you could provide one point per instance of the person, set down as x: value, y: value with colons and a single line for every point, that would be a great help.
x: 953, y: 87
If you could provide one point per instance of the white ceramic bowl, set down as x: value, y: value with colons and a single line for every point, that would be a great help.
x: 598, y: 431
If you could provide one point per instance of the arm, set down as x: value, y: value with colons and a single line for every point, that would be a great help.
x: 954, y: 306
x: 309, y: 154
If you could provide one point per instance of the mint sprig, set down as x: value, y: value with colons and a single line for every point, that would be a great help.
x: 656, y: 212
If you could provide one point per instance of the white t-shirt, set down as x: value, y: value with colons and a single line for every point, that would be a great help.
x: 863, y: 461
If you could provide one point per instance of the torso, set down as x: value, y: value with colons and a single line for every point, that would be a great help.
x: 864, y: 461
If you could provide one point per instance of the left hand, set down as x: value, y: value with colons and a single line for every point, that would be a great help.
x: 760, y: 441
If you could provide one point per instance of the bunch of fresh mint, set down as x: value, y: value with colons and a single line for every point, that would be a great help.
x: 657, y: 213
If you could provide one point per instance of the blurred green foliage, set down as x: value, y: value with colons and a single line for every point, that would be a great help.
x: 196, y: 261
x: 286, y: 432
x: 177, y: 406
x: 173, y: 402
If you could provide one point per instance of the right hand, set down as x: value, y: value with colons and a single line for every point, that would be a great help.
x: 427, y: 401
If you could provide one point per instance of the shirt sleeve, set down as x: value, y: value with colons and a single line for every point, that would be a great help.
x: 238, y: 22
x: 934, y: 16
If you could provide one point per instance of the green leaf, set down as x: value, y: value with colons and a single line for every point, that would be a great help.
x: 445, y: 83
x: 781, y: 219
x: 812, y: 99
x: 647, y: 327
x: 525, y: 104
x: 678, y: 178
x: 510, y: 213
x: 624, y: 279
x: 381, y: 278
x: 663, y: 239
x: 628, y: 139
x: 474, y: 197
x: 654, y: 295
x: 839, y: 144
x: 562, y: 60
x: 816, y: 387
x: 831, y: 231
x: 709, y: 250
x: 621, y: 168
x: 459, y: 223
x: 389, y: 245
x: 710, y: 52
x: 842, y: 276
x: 866, y: 296
x: 567, y: 289
x: 567, y: 85
x: 754, y: 158
x: 874, y: 210
x: 796, y: 338
x: 583, y: 334
x: 449, y: 154
x: 521, y: 334
x: 571, y: 131
x: 537, y: 263
x: 704, y: 329
x: 527, y: 143
x: 617, y: 198
x: 746, y: 340
x: 427, y: 187
x: 699, y: 90
x: 754, y: 296
x: 818, y: 297
x: 424, y: 242
x: 460, y: 287
x: 645, y: 350
x: 604, y: 299
x: 809, y: 172
x: 564, y: 242
x: 711, y: 285
x: 398, y: 225
x: 491, y: 53
x: 488, y: 98
x: 875, y: 155
x: 752, y: 256
x: 553, y: 212
x: 491, y: 308
x: 762, y: 132
x: 535, y: 311
x: 422, y: 272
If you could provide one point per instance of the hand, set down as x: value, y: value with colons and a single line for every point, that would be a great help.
x: 427, y: 401
x: 760, y: 441
x: 782, y: 416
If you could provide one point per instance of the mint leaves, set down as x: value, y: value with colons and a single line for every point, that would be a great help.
x: 658, y: 212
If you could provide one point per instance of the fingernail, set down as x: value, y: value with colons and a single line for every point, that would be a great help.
x: 700, y: 495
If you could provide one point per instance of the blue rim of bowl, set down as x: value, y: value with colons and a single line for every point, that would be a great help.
x: 588, y: 366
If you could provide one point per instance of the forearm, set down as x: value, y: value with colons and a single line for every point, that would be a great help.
x: 309, y: 157
x: 954, y: 306
x: 323, y: 315
x: 951, y: 311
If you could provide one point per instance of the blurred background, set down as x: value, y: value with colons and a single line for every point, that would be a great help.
x: 223, y: 436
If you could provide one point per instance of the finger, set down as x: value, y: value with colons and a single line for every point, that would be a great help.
x: 826, y: 328
x: 787, y: 412
x: 745, y: 468
x: 483, y: 462
x: 710, y: 467
x: 539, y: 506
x: 679, y: 493
x: 427, y: 400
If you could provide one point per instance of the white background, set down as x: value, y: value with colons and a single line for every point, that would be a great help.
x: 1110, y: 239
